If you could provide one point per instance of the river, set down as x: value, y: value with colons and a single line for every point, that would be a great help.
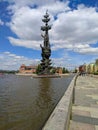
x: 26, y: 102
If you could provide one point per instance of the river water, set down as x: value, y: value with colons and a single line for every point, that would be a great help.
x: 26, y: 102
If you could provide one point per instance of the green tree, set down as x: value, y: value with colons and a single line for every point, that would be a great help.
x: 38, y: 69
x: 53, y: 70
x: 96, y: 62
x: 66, y: 71
x: 63, y: 70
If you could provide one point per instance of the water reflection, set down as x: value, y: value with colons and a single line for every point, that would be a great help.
x: 44, y: 96
x: 44, y: 103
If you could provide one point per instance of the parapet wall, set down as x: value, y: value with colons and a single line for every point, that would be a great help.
x: 60, y: 117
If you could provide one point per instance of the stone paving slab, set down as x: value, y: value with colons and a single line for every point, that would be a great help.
x: 85, y: 109
x: 81, y: 126
x: 82, y: 113
x: 94, y: 113
x: 93, y: 96
x: 85, y: 119
x: 96, y: 127
x: 94, y: 105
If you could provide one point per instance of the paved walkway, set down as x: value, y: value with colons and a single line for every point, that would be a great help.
x: 85, y: 109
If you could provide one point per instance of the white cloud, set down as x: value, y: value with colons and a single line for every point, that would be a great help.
x: 1, y: 22
x: 76, y: 29
x: 88, y: 50
x: 26, y: 23
x: 56, y: 7
x: 9, y: 61
x: 7, y: 52
x: 73, y: 29
x: 31, y: 3
x: 25, y: 43
x: 66, y: 62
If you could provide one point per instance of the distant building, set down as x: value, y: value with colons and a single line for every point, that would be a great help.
x: 59, y: 70
x: 81, y: 68
x: 91, y: 68
x: 86, y: 68
x: 27, y: 69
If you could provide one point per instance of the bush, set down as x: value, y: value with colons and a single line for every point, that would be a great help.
x: 96, y: 73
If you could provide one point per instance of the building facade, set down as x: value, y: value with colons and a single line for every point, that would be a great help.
x: 27, y: 69
x: 89, y: 68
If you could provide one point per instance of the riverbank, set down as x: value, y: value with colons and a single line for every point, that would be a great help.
x: 85, y: 109
x: 26, y: 74
x: 35, y: 75
x: 60, y: 117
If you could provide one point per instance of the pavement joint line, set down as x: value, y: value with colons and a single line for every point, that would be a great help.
x: 86, y: 88
x: 85, y: 108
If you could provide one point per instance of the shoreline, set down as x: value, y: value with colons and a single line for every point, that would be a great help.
x: 40, y: 76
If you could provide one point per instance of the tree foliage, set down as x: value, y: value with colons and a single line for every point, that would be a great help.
x: 64, y: 70
x: 38, y: 69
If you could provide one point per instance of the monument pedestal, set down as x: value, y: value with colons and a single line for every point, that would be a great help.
x: 47, y: 76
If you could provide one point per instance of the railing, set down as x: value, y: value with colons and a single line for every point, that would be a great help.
x: 60, y: 117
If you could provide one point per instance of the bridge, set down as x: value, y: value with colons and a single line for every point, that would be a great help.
x: 78, y: 108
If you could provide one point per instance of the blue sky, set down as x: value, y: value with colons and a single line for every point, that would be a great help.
x: 73, y: 37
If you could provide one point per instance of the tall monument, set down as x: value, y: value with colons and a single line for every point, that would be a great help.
x: 45, y: 64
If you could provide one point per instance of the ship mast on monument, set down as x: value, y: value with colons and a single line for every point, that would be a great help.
x: 45, y: 64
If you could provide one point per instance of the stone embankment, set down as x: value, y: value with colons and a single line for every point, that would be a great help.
x: 60, y: 118
x: 83, y: 114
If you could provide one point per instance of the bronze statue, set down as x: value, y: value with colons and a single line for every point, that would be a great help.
x: 45, y: 64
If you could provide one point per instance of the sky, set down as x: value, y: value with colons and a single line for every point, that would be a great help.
x: 73, y: 37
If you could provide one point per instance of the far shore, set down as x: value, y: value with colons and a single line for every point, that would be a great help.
x: 26, y: 74
x: 35, y: 75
